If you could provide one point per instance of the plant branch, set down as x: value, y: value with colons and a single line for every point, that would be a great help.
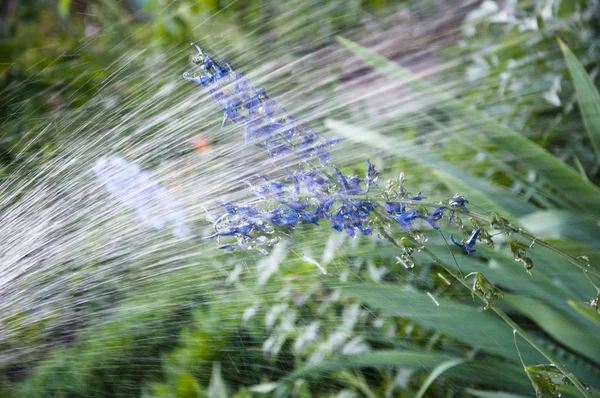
x: 578, y: 384
x: 580, y: 264
x: 565, y: 256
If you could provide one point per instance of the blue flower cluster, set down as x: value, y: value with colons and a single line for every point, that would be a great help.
x: 313, y: 191
x: 135, y: 189
x: 266, y: 124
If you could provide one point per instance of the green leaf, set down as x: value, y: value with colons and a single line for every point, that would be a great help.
x: 558, y: 174
x: 562, y: 224
x: 467, y: 323
x: 187, y: 386
x: 64, y: 7
x: 493, y: 394
x: 489, y: 372
x: 586, y: 310
x: 546, y: 379
x: 575, y: 333
x: 581, y: 250
x: 437, y: 372
x: 502, y: 270
x: 587, y: 96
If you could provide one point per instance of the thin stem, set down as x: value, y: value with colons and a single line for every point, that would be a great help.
x: 579, y: 264
x: 514, y: 326
x: 558, y: 252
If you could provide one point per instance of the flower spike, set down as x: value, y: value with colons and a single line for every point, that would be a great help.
x: 313, y: 190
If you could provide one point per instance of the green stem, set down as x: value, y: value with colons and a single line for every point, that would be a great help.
x: 558, y: 252
x: 513, y: 325
x: 579, y: 264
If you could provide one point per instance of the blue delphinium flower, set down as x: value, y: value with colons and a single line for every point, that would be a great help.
x: 266, y: 124
x: 350, y: 185
x: 394, y: 208
x: 353, y: 215
x: 319, y: 212
x: 406, y: 218
x: 467, y: 247
x: 372, y: 174
x: 312, y: 194
x: 436, y: 216
x: 136, y: 190
x: 458, y: 201
x: 283, y: 218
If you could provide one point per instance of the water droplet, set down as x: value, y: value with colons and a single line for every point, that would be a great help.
x: 315, y: 263
x: 433, y: 298
x: 444, y: 279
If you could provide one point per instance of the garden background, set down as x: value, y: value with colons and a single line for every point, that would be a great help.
x: 494, y: 100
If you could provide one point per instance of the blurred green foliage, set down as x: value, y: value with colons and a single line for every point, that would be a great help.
x: 55, y: 55
x: 515, y: 70
x: 291, y: 330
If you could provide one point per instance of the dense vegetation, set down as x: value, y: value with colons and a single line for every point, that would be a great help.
x: 519, y: 138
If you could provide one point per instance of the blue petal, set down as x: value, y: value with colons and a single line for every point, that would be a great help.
x: 393, y: 207
x: 406, y: 219
x: 473, y: 238
x: 297, y: 205
x: 228, y: 207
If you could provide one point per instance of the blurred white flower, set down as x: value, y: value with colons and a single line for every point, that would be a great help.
x: 310, y: 334
x: 250, y: 312
x: 355, y: 346
x: 153, y: 205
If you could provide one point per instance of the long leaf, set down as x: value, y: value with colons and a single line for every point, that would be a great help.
x: 587, y: 96
x: 562, y: 224
x: 64, y: 8
x: 570, y: 331
x: 586, y: 310
x: 466, y: 323
x: 577, y: 249
x: 493, y: 394
x: 489, y: 372
x: 558, y: 174
x: 437, y: 372
x: 503, y: 271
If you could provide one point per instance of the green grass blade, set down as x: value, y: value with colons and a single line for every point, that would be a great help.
x: 503, y: 271
x: 437, y: 372
x: 565, y: 179
x: 586, y: 310
x: 587, y: 96
x: 464, y: 322
x: 579, y: 249
x: 493, y: 394
x: 63, y: 8
x: 489, y: 372
x: 575, y: 333
x: 562, y: 224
